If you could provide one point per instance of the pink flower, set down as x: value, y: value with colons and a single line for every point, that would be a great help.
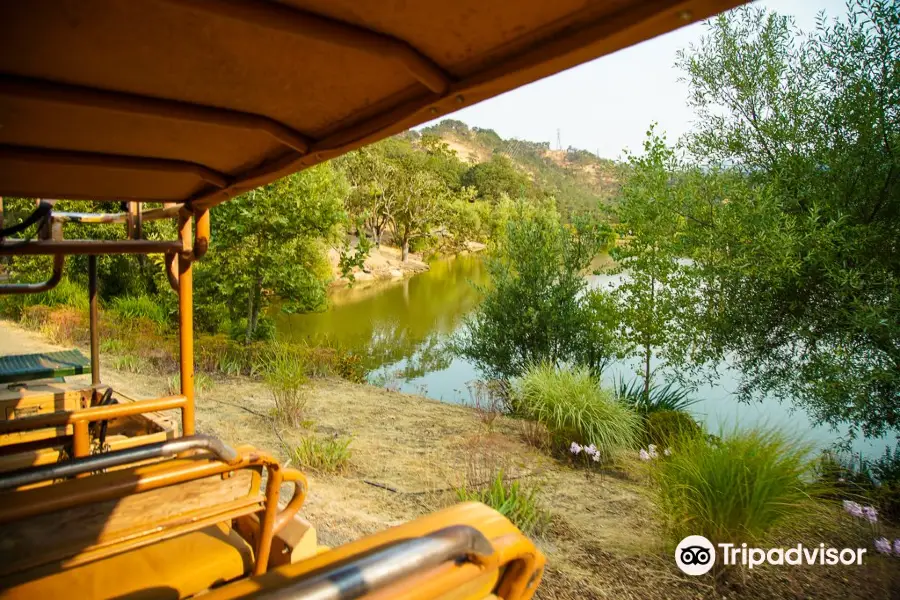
x: 870, y: 513
x: 897, y: 547
x: 596, y: 458
x: 591, y: 450
x: 643, y: 454
x: 883, y: 545
x: 853, y: 508
x: 576, y: 448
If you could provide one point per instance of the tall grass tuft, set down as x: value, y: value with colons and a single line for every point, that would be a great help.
x: 284, y: 371
x: 574, y: 408
x: 666, y: 397
x: 137, y: 307
x: 326, y: 455
x: 736, y: 489
x: 512, y: 500
x: 66, y: 293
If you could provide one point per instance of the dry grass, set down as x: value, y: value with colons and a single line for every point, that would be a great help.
x: 603, y: 541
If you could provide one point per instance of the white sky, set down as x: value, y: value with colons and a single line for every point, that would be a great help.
x: 606, y: 105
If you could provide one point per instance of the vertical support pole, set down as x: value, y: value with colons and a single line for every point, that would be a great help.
x: 94, y: 320
x: 186, y: 325
x: 81, y: 440
x: 267, y: 523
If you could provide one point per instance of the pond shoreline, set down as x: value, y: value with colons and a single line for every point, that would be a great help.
x: 603, y: 540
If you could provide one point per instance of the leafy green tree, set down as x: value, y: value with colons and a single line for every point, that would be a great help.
x: 537, y: 307
x: 655, y: 284
x: 795, y: 224
x: 268, y: 243
x: 497, y: 179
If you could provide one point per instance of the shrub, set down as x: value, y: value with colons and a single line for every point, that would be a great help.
x: 737, y: 489
x: 512, y: 500
x: 202, y: 383
x: 65, y: 293
x: 139, y: 307
x: 873, y: 481
x: 284, y: 371
x: 326, y: 455
x: 660, y: 398
x: 575, y: 409
x: 669, y: 428
x: 488, y: 400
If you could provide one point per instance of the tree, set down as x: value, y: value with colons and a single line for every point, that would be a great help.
x: 796, y: 223
x: 537, y: 307
x: 269, y: 243
x: 496, y: 179
x: 655, y: 285
x: 371, y: 197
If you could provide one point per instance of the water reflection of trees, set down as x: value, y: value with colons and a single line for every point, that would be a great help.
x: 409, y: 321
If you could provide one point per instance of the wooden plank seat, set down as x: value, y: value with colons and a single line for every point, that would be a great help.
x: 167, y: 527
x: 43, y: 365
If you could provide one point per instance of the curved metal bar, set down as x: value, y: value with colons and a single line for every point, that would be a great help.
x: 300, y: 487
x: 117, y: 458
x: 380, y: 568
x: 172, y: 270
x: 59, y: 262
x: 51, y: 247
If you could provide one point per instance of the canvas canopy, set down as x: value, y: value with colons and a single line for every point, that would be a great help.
x: 198, y: 101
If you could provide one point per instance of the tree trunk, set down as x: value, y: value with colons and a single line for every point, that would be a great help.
x: 253, y: 305
x: 404, y: 249
x: 648, y: 349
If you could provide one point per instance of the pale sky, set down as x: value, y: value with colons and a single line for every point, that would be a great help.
x: 606, y: 105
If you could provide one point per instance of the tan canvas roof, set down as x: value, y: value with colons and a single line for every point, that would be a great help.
x: 200, y: 100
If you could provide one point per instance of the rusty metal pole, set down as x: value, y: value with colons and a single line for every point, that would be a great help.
x: 186, y: 326
x: 94, y: 320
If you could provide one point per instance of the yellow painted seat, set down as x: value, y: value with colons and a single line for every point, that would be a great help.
x: 176, y: 568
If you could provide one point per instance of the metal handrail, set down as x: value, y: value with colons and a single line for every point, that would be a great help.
x: 375, y: 570
x: 117, y: 458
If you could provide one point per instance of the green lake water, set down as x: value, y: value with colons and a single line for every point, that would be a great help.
x: 400, y: 328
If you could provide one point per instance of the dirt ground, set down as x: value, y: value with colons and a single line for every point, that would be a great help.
x: 602, y: 542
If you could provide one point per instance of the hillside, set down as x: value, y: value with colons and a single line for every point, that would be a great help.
x: 579, y: 180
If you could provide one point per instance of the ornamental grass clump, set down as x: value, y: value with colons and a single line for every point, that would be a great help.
x: 738, y: 488
x: 573, y: 407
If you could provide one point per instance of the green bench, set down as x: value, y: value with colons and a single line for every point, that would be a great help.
x: 43, y: 365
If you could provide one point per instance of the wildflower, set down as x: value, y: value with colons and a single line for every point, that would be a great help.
x: 853, y: 508
x: 897, y: 547
x: 644, y: 455
x: 591, y: 450
x: 596, y: 458
x: 883, y: 545
x: 652, y: 451
x: 870, y: 513
x: 667, y: 452
x: 576, y: 448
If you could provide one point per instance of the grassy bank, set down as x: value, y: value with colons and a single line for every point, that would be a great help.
x: 376, y: 458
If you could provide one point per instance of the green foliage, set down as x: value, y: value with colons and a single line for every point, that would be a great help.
x: 269, y: 243
x: 791, y: 214
x: 132, y: 307
x: 738, y: 489
x: 497, y: 179
x: 877, y: 481
x: 661, y: 398
x: 655, y: 291
x: 537, y: 307
x: 66, y: 293
x: 202, y: 383
x: 324, y: 454
x: 669, y: 428
x: 574, y: 408
x: 514, y: 501
x: 284, y: 372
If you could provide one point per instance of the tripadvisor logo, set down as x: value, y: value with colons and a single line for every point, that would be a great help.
x: 696, y: 555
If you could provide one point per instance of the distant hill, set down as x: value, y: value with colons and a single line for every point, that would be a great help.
x: 580, y: 180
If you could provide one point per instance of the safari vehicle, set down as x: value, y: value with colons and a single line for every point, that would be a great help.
x: 173, y: 107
